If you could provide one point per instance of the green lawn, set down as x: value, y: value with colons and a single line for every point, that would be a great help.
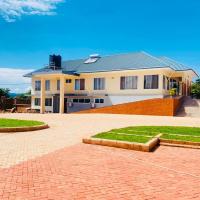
x: 142, y: 134
x: 123, y: 137
x: 181, y: 138
x: 18, y: 123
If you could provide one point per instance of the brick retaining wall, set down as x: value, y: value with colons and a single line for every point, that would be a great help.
x: 160, y: 107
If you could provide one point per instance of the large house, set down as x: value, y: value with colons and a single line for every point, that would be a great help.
x: 75, y: 85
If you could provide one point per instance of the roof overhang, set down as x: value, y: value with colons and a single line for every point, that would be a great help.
x: 53, y: 72
x: 193, y: 72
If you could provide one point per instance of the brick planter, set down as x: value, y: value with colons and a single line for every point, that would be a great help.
x: 147, y: 147
x: 23, y: 129
x: 180, y: 142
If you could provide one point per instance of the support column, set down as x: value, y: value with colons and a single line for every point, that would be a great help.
x: 186, y: 87
x: 62, y: 94
x: 160, y: 82
x: 42, y: 96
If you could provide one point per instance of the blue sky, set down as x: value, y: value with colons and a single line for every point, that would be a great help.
x: 77, y: 28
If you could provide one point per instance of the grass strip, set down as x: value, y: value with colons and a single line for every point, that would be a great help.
x: 4, y: 123
x: 143, y: 134
x: 166, y: 129
x: 122, y: 137
x: 181, y: 138
x: 135, y: 134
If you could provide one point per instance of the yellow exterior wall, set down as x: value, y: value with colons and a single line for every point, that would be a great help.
x: 112, y: 82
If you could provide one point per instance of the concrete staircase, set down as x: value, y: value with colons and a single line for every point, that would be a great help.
x: 190, y: 108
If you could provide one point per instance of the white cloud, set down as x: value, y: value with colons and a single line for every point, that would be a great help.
x: 14, y: 80
x: 10, y: 10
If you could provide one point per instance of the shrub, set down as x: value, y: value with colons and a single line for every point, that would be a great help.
x: 172, y: 92
x: 195, y: 91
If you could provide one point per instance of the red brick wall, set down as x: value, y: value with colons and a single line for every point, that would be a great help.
x: 160, y: 107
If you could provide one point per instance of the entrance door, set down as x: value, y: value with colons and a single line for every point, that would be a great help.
x: 65, y: 107
x: 56, y: 104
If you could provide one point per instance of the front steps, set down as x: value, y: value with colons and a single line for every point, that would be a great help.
x: 190, y: 108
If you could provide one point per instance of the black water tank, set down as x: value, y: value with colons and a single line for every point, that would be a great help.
x: 55, y: 61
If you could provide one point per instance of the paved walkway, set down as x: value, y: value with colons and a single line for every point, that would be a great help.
x: 53, y: 164
x: 190, y: 108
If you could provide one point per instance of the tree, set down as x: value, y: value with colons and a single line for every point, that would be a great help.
x: 196, y: 89
x: 4, y: 92
x: 24, y: 96
x: 4, y: 95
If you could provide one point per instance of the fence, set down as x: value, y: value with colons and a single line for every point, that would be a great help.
x: 9, y: 103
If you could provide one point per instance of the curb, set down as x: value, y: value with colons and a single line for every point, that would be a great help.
x: 188, y: 143
x: 23, y: 129
x: 180, y: 145
x: 147, y: 147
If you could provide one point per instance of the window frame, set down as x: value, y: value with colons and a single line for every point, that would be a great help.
x: 164, y: 82
x: 79, y: 84
x: 58, y: 85
x: 35, y: 100
x: 47, y: 101
x: 99, y: 100
x: 47, y: 85
x: 151, y: 84
x: 99, y: 83
x: 128, y: 82
x: 81, y: 100
x: 37, y: 85
x: 68, y: 80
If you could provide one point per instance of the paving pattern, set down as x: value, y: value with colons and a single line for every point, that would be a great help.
x: 53, y: 164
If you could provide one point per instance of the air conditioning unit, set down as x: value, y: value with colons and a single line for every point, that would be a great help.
x: 70, y: 104
x: 93, y: 105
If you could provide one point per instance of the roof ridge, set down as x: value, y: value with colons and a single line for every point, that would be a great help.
x: 177, y: 62
x: 156, y: 58
x: 119, y: 54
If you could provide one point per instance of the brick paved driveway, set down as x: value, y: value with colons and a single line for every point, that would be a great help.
x: 53, y: 164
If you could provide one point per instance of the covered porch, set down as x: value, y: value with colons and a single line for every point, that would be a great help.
x: 57, y: 92
x: 179, y: 80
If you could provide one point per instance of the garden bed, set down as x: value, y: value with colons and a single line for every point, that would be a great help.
x: 144, y: 135
x: 15, y: 125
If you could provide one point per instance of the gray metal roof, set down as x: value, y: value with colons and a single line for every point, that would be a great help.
x: 175, y: 65
x: 129, y: 61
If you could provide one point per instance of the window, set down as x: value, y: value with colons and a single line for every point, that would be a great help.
x: 68, y: 80
x: 168, y: 81
x: 87, y: 100
x: 151, y: 82
x: 75, y: 100
x: 128, y: 82
x: 99, y: 83
x: 48, y: 102
x: 37, y: 85
x: 81, y: 100
x: 99, y: 100
x: 164, y: 82
x: 47, y: 85
x: 173, y: 83
x: 58, y: 85
x: 37, y: 101
x: 79, y: 84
